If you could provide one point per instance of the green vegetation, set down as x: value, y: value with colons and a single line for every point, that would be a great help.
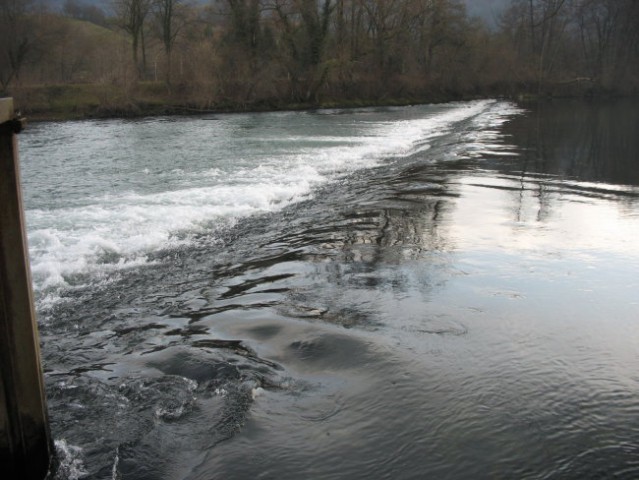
x: 147, y: 57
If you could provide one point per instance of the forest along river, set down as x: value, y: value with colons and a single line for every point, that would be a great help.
x: 443, y: 291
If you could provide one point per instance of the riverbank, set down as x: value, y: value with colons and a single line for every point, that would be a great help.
x: 147, y: 99
x: 150, y: 99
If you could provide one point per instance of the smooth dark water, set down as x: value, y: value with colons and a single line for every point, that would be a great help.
x: 463, y: 305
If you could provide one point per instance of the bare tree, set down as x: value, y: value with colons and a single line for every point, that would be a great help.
x: 538, y: 29
x: 304, y: 26
x: 553, y: 24
x: 436, y: 24
x: 385, y: 21
x: 608, y: 34
x: 246, y: 50
x: 17, y: 39
x: 171, y: 17
x: 131, y: 16
x: 245, y: 24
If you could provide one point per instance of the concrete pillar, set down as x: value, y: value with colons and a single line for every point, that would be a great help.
x: 25, y: 442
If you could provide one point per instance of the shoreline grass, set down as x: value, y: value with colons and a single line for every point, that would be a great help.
x: 149, y: 99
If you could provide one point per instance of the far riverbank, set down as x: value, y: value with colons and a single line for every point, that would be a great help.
x: 150, y: 99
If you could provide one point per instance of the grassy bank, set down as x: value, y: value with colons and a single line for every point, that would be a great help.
x: 86, y: 101
x: 72, y: 102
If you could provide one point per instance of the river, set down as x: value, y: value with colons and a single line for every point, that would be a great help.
x: 438, y: 291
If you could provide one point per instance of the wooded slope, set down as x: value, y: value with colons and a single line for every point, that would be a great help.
x: 148, y: 55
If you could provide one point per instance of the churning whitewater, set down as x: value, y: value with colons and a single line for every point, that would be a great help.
x: 102, y: 196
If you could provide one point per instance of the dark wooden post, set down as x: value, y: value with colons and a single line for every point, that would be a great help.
x: 25, y: 442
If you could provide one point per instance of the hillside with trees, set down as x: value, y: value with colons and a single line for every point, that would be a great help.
x: 117, y: 57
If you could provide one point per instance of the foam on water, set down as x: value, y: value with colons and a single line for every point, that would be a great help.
x: 88, y: 237
x: 70, y: 465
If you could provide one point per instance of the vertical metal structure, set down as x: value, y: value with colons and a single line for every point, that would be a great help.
x: 25, y: 442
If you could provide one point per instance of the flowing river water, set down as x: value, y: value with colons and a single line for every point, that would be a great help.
x: 441, y: 291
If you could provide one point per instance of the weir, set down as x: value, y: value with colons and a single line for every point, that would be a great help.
x: 25, y: 441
